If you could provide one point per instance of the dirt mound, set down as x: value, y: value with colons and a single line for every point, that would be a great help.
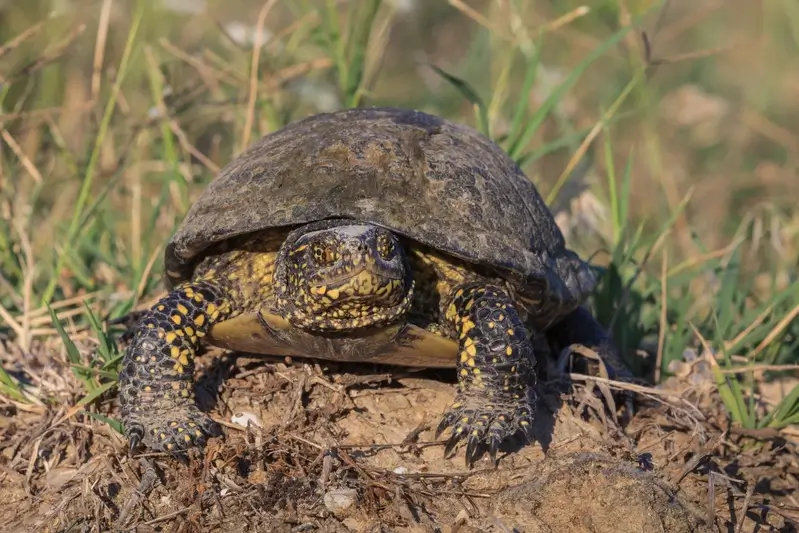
x: 351, y: 449
x: 593, y: 493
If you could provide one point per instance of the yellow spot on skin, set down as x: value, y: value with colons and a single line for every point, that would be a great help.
x: 210, y: 309
x: 189, y: 330
x: 147, y: 388
x: 471, y: 350
x: 510, y: 332
x: 184, y: 393
x: 464, y: 357
x: 199, y: 320
x: 183, y: 360
x: 464, y: 372
x: 333, y: 293
x: 491, y: 325
x: 182, y: 309
x: 459, y: 293
x: 470, y: 362
x: 180, y: 430
x: 162, y: 436
x: 170, y: 446
x: 177, y: 319
x: 170, y: 337
x: 174, y: 352
x: 509, y: 351
x: 187, y: 438
x: 319, y: 290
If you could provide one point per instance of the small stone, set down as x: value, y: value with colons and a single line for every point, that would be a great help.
x: 339, y: 501
x: 400, y: 470
x: 245, y: 418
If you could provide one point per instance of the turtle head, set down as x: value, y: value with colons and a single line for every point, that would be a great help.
x: 343, y: 277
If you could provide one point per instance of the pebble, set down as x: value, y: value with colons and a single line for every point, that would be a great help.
x: 339, y: 501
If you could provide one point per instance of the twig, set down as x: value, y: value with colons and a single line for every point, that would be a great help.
x: 168, y: 516
x: 749, y: 491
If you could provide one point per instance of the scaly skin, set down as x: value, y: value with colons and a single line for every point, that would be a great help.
x: 339, y: 276
x: 495, y: 398
x: 326, y: 276
x: 156, y: 382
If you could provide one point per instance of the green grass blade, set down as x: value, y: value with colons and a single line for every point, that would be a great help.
x: 73, y: 354
x: 96, y: 393
x: 10, y: 388
x: 468, y: 92
x: 106, y: 348
x: 555, y: 96
x: 88, y: 178
x: 113, y: 423
x: 530, y: 75
x: 784, y: 412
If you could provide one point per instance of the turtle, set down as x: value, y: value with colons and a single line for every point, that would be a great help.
x: 379, y: 234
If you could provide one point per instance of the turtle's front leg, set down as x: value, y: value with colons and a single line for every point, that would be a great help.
x: 156, y: 385
x: 495, y: 366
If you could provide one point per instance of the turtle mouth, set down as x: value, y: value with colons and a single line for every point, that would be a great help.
x: 375, y: 286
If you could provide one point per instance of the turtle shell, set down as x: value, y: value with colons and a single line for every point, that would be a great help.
x: 431, y: 180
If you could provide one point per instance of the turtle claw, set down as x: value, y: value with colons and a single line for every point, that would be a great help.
x: 135, y: 435
x: 472, y: 449
x: 493, y: 448
x: 484, y: 426
x: 446, y: 421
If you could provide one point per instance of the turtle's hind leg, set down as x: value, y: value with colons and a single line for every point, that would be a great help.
x: 495, y: 367
x: 156, y: 385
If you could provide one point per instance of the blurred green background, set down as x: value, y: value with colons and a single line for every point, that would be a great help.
x: 663, y: 134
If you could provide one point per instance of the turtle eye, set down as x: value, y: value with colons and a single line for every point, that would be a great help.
x: 385, y: 247
x: 323, y: 255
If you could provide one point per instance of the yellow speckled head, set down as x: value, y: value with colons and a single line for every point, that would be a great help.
x: 341, y: 275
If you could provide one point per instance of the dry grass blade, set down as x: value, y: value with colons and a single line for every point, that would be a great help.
x: 27, y: 164
x: 53, y: 54
x: 99, y: 48
x: 210, y: 75
x: 256, y: 56
x: 13, y: 324
x: 479, y: 18
x: 760, y: 368
x: 595, y: 131
x: 775, y: 332
x: 566, y: 19
x: 19, y: 39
